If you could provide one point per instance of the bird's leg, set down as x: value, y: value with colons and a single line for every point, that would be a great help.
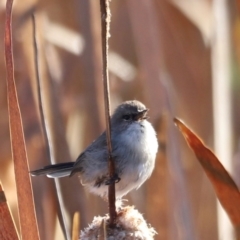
x: 114, y: 179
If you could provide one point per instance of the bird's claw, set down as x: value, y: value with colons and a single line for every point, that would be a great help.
x: 114, y: 179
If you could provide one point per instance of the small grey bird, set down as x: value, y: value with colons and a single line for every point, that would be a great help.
x: 134, y: 149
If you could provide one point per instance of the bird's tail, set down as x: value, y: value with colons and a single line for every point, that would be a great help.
x: 55, y: 171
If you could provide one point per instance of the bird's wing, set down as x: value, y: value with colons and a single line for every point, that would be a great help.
x: 93, y: 153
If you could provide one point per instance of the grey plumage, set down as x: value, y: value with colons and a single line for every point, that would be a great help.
x: 134, y: 145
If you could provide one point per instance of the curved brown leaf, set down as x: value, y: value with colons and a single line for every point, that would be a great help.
x: 7, y: 227
x: 224, y: 186
x: 76, y: 226
x: 28, y: 223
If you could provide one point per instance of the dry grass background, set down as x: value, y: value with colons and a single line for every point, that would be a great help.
x: 161, y: 55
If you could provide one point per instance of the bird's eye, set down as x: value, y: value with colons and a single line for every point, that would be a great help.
x: 127, y: 117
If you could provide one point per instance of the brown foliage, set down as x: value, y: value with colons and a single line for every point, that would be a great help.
x: 224, y: 186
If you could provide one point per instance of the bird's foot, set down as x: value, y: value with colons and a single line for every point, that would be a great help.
x: 114, y: 179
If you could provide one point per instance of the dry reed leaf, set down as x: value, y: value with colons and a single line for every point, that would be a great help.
x: 7, y: 227
x: 76, y: 226
x: 102, y: 235
x: 224, y: 186
x: 200, y: 14
x: 28, y: 224
x: 147, y: 47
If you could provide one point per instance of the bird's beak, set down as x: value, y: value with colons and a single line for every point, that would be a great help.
x: 141, y: 115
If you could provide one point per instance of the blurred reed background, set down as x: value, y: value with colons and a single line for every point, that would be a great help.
x: 164, y: 53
